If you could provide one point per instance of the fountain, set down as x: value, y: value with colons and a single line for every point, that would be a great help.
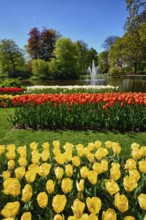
x: 93, y: 71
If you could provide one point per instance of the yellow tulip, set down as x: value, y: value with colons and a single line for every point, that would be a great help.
x: 121, y: 202
x: 19, y: 172
x: 78, y: 208
x: 84, y: 172
x: 90, y: 157
x: 130, y: 164
x: 100, y: 153
x: 8, y: 218
x: 129, y: 183
x: 35, y: 157
x: 135, y: 174
x: 60, y: 158
x: 69, y: 170
x: 66, y: 185
x: 142, y: 201
x: 11, y: 147
x: 112, y: 187
x: 76, y: 161
x: 104, y: 164
x: 22, y: 151
x: 33, y: 145
x: 26, y: 215
x: 109, y: 214
x: 42, y: 199
x: 10, y: 155
x: 142, y: 166
x: 59, y: 203
x: 129, y: 218
x: 116, y: 148
x: 135, y: 146
x: 58, y: 217
x: 56, y: 151
x: 92, y: 217
x: 115, y: 173
x: 30, y: 176
x: 27, y: 193
x: 50, y: 186
x: 80, y: 150
x: 2, y: 149
x: 143, y: 151
x: 6, y: 174
x: 44, y: 169
x: 80, y: 185
x: 11, y: 209
x: 59, y: 172
x: 11, y: 187
x: 46, y: 146
x: 11, y: 164
x: 108, y: 144
x: 22, y: 161
x: 93, y: 204
x: 34, y: 168
x: 91, y: 146
x: 98, y: 144
x: 56, y: 143
x: 92, y: 177
x: 45, y: 155
x: 97, y: 167
x: 136, y: 154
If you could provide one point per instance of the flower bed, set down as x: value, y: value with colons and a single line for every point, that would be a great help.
x: 72, y: 182
x: 70, y: 89
x: 11, y: 91
x: 119, y: 111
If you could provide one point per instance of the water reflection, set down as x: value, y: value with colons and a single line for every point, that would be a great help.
x: 125, y: 83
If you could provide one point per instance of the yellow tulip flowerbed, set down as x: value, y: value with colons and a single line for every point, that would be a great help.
x: 68, y: 182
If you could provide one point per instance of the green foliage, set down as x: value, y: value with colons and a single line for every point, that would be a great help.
x: 65, y: 63
x: 103, y: 61
x: 22, y: 137
x: 39, y: 68
x: 81, y: 116
x: 11, y: 57
x: 115, y: 71
x: 10, y: 83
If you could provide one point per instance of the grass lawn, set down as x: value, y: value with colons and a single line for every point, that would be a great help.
x: 9, y: 135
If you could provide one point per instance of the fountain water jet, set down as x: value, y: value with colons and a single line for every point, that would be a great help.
x: 93, y: 71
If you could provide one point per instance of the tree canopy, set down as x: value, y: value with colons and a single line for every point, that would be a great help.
x: 11, y: 57
x: 41, y: 43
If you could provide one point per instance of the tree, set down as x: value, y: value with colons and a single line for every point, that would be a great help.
x: 41, y: 44
x: 133, y: 49
x: 11, y: 57
x: 103, y: 61
x: 82, y: 49
x: 39, y: 68
x: 116, y: 54
x: 137, y: 14
x: 64, y: 65
x: 109, y: 41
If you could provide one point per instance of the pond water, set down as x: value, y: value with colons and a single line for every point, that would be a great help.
x: 125, y: 83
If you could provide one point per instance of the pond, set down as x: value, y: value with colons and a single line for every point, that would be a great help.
x: 125, y: 83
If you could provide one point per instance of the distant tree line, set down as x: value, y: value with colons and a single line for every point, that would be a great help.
x: 49, y: 55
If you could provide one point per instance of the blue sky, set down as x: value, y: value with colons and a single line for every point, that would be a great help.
x: 89, y: 20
